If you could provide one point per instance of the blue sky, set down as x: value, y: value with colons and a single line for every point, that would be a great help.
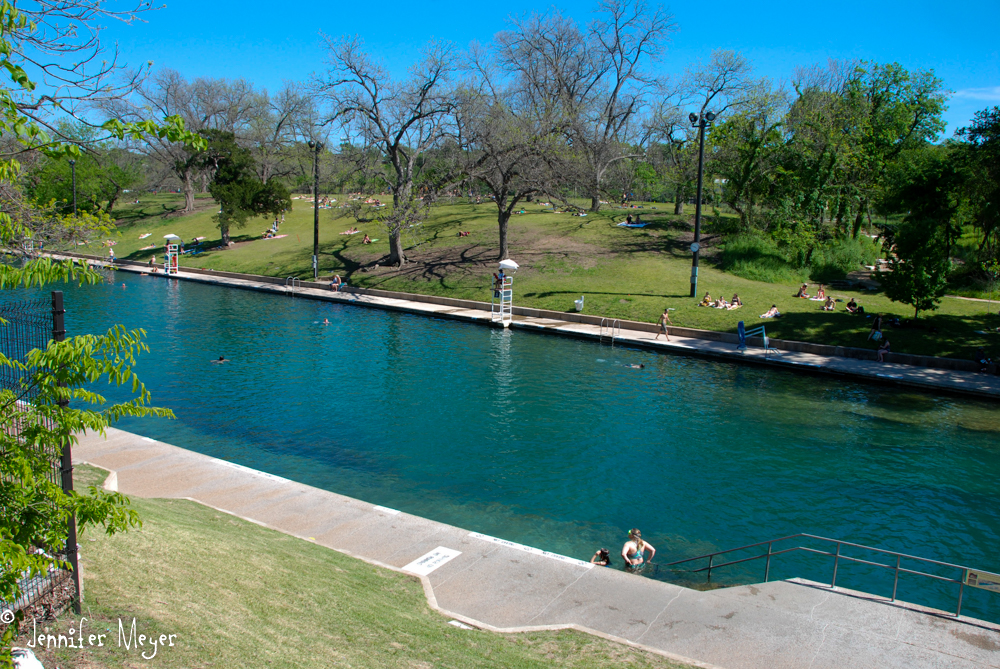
x: 267, y: 44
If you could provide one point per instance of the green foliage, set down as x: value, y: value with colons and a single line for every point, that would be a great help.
x: 240, y: 194
x: 980, y: 158
x: 786, y: 258
x: 33, y: 524
x: 758, y: 258
x: 919, y: 280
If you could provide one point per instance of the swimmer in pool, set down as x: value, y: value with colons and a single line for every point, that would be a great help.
x: 326, y: 321
x: 221, y: 360
x: 636, y: 366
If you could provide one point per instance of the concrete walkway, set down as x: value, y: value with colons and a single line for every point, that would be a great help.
x: 496, y: 585
x: 985, y: 386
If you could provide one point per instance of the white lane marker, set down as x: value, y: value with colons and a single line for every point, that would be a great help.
x: 428, y: 563
x: 533, y: 551
x: 385, y: 509
x: 255, y: 472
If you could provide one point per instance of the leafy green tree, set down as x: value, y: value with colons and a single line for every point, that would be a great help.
x: 981, y: 159
x: 235, y: 185
x: 918, y: 280
x: 930, y: 192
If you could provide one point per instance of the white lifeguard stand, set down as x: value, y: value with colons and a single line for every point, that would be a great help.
x: 503, y: 294
x: 171, y: 261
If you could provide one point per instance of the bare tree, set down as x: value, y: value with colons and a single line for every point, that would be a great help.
x: 218, y: 104
x: 508, y: 143
x: 402, y: 119
x: 596, y: 78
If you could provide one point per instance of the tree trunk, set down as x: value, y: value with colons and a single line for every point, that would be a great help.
x: 595, y: 202
x: 679, y: 201
x: 224, y: 227
x: 859, y: 218
x: 188, y: 192
x: 396, y: 255
x: 503, y: 218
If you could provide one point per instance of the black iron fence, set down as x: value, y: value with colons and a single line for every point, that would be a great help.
x: 28, y: 325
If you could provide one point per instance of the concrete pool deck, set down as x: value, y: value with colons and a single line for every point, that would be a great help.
x: 986, y: 386
x: 499, y: 586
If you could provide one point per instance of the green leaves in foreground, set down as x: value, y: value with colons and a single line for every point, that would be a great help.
x: 32, y: 436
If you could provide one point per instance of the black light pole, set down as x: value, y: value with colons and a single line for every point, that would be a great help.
x: 316, y: 147
x: 699, y: 121
x: 72, y: 168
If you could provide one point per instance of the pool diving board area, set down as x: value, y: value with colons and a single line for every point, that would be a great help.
x: 923, y: 378
x: 494, y: 584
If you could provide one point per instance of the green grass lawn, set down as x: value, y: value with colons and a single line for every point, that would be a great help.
x: 238, y: 595
x: 623, y: 273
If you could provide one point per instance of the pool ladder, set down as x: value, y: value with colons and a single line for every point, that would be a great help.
x: 611, y: 327
x: 294, y: 282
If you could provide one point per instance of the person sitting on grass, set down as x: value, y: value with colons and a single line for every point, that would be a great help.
x: 772, y: 312
x: 736, y: 302
x: 802, y: 292
x: 883, y: 348
x: 721, y: 303
x: 821, y: 293
x: 706, y: 301
x: 366, y: 240
x: 829, y: 304
x: 852, y: 306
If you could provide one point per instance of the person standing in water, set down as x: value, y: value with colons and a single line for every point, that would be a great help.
x: 634, y: 550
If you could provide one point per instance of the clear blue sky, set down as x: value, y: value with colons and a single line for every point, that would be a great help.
x: 268, y: 43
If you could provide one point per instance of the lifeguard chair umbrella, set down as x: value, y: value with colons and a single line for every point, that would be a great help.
x: 171, y: 236
x: 509, y: 264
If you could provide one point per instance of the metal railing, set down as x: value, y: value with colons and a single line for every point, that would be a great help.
x: 293, y: 282
x: 837, y: 556
x: 612, y: 326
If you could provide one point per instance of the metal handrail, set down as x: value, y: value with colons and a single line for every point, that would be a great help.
x: 614, y: 324
x: 295, y: 282
x: 837, y: 557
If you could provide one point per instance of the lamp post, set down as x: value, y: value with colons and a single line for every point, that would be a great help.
x: 72, y: 168
x: 316, y: 147
x: 699, y: 121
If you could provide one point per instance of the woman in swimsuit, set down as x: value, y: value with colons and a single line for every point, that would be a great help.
x: 635, y: 548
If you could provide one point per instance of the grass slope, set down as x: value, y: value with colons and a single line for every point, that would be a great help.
x: 624, y: 273
x: 239, y: 595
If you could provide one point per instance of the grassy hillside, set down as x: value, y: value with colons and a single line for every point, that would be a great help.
x: 622, y: 272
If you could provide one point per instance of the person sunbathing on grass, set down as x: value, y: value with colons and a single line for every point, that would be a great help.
x: 852, y: 306
x: 706, y: 301
x: 772, y: 312
x: 736, y: 302
x: 802, y: 292
x: 366, y: 240
x: 829, y: 304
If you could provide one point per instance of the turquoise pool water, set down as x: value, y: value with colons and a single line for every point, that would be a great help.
x: 557, y: 444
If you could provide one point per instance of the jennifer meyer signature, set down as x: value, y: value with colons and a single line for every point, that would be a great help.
x: 127, y: 638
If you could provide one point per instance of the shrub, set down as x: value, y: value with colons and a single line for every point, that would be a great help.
x: 759, y: 259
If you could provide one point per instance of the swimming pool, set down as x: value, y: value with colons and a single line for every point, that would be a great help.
x: 555, y: 443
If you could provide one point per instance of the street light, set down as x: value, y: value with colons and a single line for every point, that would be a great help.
x: 699, y: 121
x: 72, y: 168
x: 316, y: 148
